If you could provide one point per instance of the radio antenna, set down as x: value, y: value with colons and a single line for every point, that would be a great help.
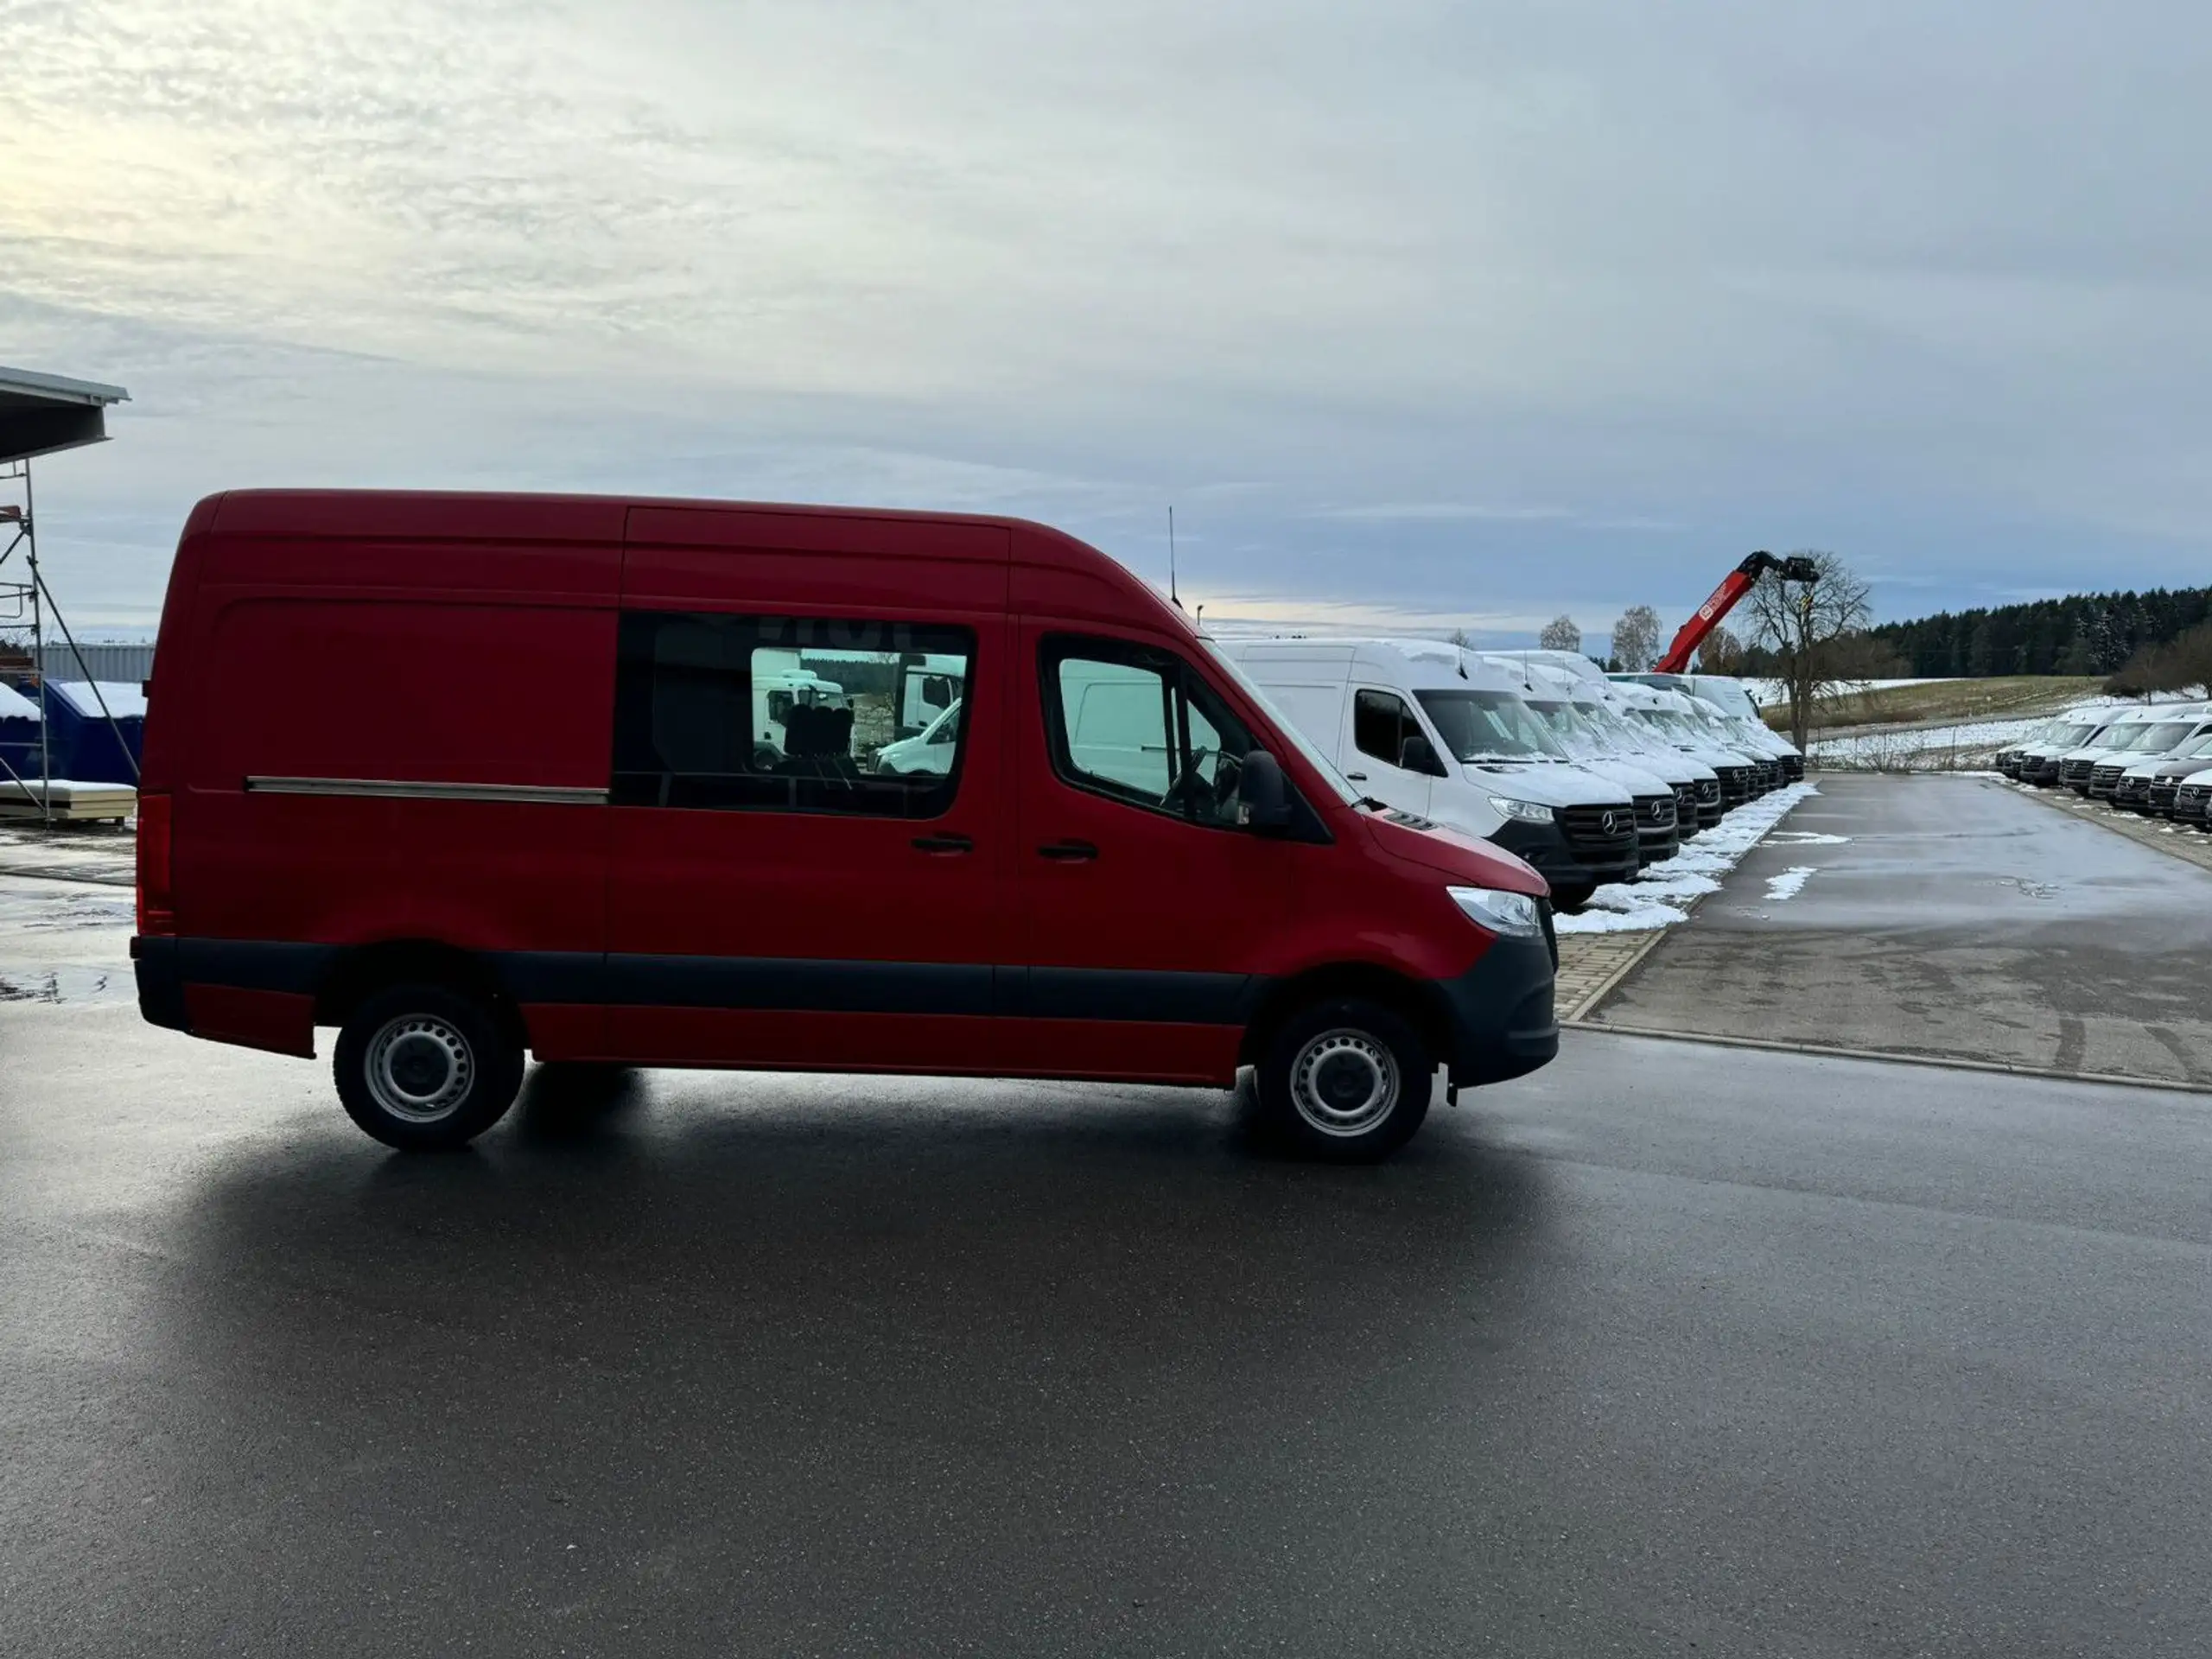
x: 1172, y: 597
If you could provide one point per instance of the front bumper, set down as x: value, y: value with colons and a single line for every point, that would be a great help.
x: 1499, y: 1013
x: 1793, y: 768
x: 1545, y: 847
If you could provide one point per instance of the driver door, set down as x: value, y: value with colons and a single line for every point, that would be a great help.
x: 1381, y: 722
x: 1145, y: 905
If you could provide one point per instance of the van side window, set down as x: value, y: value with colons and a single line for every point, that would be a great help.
x: 777, y: 714
x: 1138, y: 725
x: 1381, y: 723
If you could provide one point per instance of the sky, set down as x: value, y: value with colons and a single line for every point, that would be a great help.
x: 1420, y: 315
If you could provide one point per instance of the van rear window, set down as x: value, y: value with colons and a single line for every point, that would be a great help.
x: 779, y: 713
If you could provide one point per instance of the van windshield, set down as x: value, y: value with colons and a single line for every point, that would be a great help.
x: 1283, y: 723
x: 1490, y: 725
x: 1608, y: 725
x: 1567, y: 727
x: 1668, y: 724
x: 2157, y: 739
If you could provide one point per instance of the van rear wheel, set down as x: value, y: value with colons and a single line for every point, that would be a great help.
x: 1345, y: 1080
x: 425, y: 1068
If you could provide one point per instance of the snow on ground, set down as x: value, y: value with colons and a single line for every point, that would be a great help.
x: 1767, y: 693
x: 1789, y: 884
x: 1927, y: 748
x: 1663, y: 895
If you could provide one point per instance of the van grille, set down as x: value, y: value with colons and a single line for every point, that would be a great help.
x: 1685, y: 803
x: 1708, y: 791
x: 1655, y: 812
x: 2162, y: 792
x: 2190, y: 800
x: 2074, y: 772
x: 2130, y: 789
x: 2104, y: 779
x: 1735, y: 784
x: 1793, y: 767
x: 1586, y: 831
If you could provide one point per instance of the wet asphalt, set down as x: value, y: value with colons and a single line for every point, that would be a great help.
x: 1947, y: 917
x: 1665, y: 1349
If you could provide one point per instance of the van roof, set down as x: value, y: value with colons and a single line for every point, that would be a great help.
x: 551, y: 520
x: 444, y: 512
x: 1416, y: 665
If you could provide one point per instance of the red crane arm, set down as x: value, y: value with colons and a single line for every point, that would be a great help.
x: 1707, y: 617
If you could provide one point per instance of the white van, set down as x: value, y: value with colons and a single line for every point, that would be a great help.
x: 1660, y: 713
x: 2115, y: 737
x: 1436, y: 731
x: 1734, y: 703
x: 1665, y: 793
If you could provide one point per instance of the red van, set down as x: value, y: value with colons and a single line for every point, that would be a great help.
x: 463, y: 776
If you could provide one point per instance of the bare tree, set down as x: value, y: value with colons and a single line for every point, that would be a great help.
x: 1560, y: 633
x: 1635, y: 639
x: 1815, y: 633
x: 1721, y: 654
x: 2182, y: 663
x: 1462, y: 638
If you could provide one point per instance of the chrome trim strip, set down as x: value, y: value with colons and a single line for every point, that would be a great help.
x: 401, y: 790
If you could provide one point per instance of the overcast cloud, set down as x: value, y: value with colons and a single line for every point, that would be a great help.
x: 1420, y: 314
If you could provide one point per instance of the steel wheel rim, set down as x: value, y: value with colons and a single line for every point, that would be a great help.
x: 419, y: 1068
x: 1343, y: 1082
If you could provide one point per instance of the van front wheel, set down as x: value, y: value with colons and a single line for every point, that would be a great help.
x: 1346, y: 1080
x: 424, y: 1068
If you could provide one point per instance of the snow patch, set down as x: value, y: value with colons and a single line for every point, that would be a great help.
x: 1664, y: 894
x: 123, y: 699
x: 1807, y: 838
x: 1789, y: 884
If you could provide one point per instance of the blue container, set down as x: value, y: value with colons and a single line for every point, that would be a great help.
x: 82, y: 745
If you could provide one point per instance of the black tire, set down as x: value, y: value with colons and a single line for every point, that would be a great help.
x: 455, y: 1059
x: 1313, y: 1064
x: 1572, y: 899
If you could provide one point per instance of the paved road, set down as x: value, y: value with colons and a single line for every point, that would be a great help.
x: 1664, y: 1350
x: 1949, y: 917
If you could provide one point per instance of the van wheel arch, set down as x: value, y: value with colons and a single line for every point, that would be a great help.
x: 1418, y: 1005
x: 364, y: 970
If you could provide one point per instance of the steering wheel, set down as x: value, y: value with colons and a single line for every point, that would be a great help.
x: 1195, y: 796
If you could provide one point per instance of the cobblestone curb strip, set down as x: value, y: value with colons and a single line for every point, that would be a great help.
x: 1591, y: 964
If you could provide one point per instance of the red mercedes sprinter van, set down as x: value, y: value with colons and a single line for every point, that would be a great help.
x: 701, y: 783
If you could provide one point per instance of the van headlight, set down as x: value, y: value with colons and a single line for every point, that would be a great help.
x: 1527, y: 811
x: 1513, y: 914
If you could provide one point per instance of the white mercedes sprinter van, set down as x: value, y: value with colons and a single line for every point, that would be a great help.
x: 1433, y: 730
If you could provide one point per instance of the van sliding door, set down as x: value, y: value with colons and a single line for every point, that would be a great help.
x: 796, y: 880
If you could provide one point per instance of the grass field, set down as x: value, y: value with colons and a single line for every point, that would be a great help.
x: 2003, y: 696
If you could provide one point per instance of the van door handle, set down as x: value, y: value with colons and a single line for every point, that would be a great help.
x: 1068, y: 852
x: 943, y: 844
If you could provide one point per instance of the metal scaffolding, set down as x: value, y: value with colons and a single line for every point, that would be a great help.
x: 40, y: 414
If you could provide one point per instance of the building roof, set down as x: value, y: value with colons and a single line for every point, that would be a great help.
x: 42, y: 413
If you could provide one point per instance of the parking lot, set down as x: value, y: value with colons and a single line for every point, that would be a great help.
x: 1670, y: 1347
x: 1949, y: 918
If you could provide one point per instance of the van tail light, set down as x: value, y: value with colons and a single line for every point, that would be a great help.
x: 156, y: 909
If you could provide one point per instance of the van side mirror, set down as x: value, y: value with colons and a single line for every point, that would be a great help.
x: 1262, y: 793
x: 1417, y: 753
